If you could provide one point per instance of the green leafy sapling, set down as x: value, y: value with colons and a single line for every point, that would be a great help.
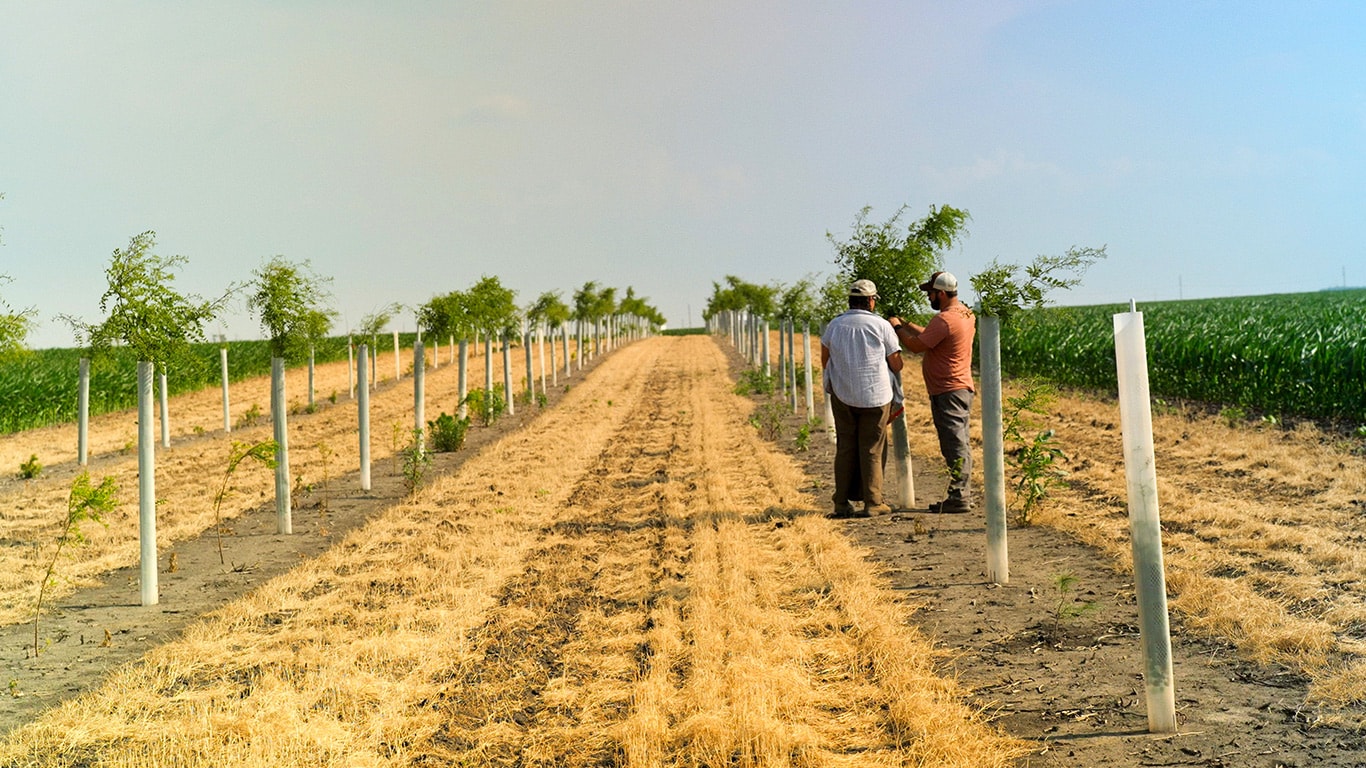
x: 262, y: 452
x: 416, y: 460
x: 1066, y: 608
x: 1036, y: 454
x: 86, y: 503
x: 448, y: 432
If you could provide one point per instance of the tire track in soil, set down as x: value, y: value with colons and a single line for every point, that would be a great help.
x: 551, y: 679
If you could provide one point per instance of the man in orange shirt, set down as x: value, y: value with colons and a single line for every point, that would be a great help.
x: 946, y: 343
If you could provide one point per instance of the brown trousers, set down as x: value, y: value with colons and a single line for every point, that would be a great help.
x: 860, y: 441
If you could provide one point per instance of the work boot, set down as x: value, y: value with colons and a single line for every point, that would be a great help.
x: 843, y: 511
x: 873, y: 510
x: 950, y: 506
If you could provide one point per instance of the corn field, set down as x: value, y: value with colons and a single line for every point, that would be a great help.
x: 39, y: 387
x: 1288, y: 354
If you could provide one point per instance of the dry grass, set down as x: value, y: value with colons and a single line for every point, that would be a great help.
x: 632, y: 583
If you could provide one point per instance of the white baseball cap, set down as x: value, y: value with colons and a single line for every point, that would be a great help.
x: 941, y: 281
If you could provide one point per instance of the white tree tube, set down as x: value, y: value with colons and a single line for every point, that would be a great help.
x: 767, y: 368
x: 530, y: 375
x: 507, y: 375
x: 351, y: 368
x: 540, y: 351
x: 83, y: 413
x: 792, y: 360
x: 312, y: 402
x: 279, y: 414
x: 578, y: 339
x: 165, y: 413
x: 903, y: 479
x: 462, y: 379
x: 993, y: 451
x: 806, y: 359
x: 147, y: 489
x: 398, y: 362
x: 436, y: 354
x: 1140, y: 471
x: 419, y: 396
x: 554, y: 365
x: 564, y: 337
x: 227, y: 410
x: 363, y: 416
x: 488, y: 365
x: 782, y: 357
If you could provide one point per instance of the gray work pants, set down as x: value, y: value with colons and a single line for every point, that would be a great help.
x: 950, y: 411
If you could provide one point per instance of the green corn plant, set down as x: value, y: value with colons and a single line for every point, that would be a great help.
x: 86, y: 503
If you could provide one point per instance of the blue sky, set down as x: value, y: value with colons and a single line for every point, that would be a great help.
x: 407, y: 148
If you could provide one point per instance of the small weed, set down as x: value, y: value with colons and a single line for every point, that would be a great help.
x: 1232, y: 416
x: 768, y: 419
x: 803, y: 438
x: 198, y: 429
x: 754, y: 381
x: 448, y: 433
x: 332, y: 398
x: 14, y: 688
x: 30, y: 469
x: 397, y: 435
x: 325, y: 454
x: 250, y: 417
x: 301, y: 491
x: 1066, y: 608
x: 488, y: 405
x: 541, y: 400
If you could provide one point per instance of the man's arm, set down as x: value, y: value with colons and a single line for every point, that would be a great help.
x: 909, y: 335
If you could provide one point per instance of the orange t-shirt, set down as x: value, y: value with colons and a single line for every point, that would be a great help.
x: 948, y: 362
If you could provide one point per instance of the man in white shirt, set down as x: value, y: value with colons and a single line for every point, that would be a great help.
x: 859, y: 352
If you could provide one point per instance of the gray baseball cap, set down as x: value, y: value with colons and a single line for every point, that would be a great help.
x: 863, y: 288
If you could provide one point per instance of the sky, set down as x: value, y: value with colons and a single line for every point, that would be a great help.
x: 406, y: 149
